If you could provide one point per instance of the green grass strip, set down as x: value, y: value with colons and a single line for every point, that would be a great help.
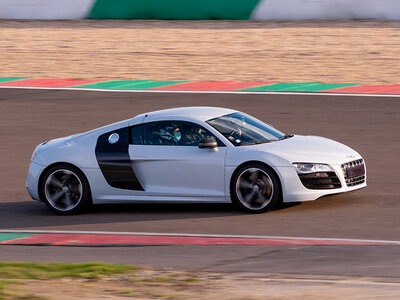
x: 113, y: 84
x: 3, y: 293
x: 26, y: 270
x: 320, y: 87
x: 150, y: 85
x: 12, y: 79
x: 297, y: 87
x: 128, y: 84
x: 173, y: 9
x: 12, y: 236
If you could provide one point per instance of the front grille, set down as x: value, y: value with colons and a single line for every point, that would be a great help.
x: 354, y: 172
x: 320, y: 181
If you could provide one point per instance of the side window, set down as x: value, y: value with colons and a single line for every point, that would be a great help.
x: 137, y: 135
x: 178, y: 133
x: 158, y: 133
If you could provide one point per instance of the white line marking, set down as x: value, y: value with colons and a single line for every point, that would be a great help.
x: 331, y: 281
x: 203, y: 235
x: 203, y: 92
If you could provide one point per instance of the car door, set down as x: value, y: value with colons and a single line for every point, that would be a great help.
x: 168, y: 162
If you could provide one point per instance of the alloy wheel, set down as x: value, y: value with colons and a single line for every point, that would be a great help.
x: 254, y: 188
x: 63, y: 190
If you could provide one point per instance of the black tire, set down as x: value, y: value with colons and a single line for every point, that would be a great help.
x: 65, y: 190
x: 255, y: 188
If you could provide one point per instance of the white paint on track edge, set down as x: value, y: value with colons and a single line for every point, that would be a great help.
x: 201, y: 235
x: 203, y: 92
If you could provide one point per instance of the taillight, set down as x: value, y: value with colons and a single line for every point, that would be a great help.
x: 33, y: 155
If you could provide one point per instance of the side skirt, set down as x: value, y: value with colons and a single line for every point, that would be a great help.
x: 110, y: 199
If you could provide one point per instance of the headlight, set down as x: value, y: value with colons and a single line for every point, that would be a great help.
x: 306, y: 168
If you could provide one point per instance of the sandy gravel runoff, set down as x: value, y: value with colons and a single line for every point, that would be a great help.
x: 149, y: 284
x: 332, y: 52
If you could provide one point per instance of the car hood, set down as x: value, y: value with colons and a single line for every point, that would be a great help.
x: 312, y: 149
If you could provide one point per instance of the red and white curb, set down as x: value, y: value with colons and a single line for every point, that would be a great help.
x: 206, y: 92
x: 97, y: 238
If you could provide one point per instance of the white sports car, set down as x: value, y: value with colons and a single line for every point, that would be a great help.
x: 190, y: 154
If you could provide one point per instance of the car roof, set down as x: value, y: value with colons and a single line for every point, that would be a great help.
x: 201, y: 113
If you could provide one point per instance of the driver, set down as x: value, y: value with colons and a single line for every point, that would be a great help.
x: 171, y: 134
x: 236, y: 136
x: 176, y: 135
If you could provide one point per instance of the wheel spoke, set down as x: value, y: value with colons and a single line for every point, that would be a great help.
x: 55, y: 182
x: 68, y: 201
x: 261, y: 196
x: 246, y: 185
x: 249, y: 196
x: 57, y: 196
x: 253, y: 175
x: 75, y: 189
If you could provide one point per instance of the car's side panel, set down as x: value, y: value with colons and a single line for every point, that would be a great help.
x: 32, y: 180
x: 180, y: 170
x: 240, y: 155
x: 78, y: 149
x: 114, y: 160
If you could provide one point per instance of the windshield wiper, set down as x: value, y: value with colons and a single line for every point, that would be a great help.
x: 256, y: 143
x: 286, y: 136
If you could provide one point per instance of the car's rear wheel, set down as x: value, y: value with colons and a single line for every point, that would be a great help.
x: 65, y: 190
x: 255, y: 188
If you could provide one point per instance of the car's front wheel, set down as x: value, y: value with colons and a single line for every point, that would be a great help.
x: 255, y: 188
x: 65, y: 190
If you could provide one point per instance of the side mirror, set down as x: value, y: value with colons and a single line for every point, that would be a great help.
x: 208, y: 142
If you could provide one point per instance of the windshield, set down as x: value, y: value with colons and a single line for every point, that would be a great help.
x: 241, y: 129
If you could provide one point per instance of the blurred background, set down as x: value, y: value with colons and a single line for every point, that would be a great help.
x: 44, y: 43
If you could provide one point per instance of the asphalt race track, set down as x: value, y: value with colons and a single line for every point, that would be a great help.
x: 368, y: 124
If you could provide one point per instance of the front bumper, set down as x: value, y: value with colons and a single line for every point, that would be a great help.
x: 32, y: 180
x: 294, y: 191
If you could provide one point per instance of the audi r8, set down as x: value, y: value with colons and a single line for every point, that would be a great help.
x: 191, y: 154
